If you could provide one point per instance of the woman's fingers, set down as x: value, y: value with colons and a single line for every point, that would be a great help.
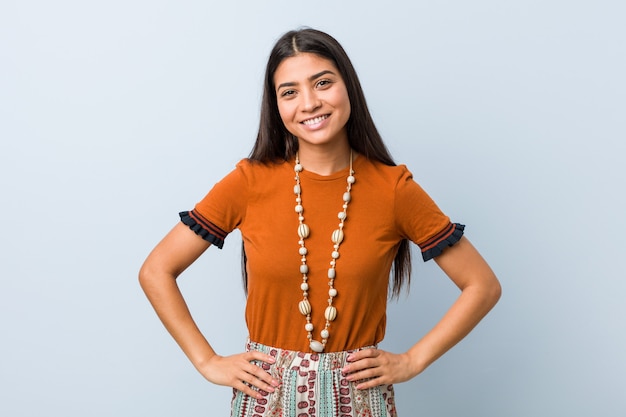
x: 252, y: 386
x: 242, y: 371
x: 363, y: 359
x: 246, y: 389
x: 372, y: 367
x: 256, y: 376
x: 257, y: 370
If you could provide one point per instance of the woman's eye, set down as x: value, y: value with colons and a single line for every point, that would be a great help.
x: 323, y: 83
x: 287, y: 93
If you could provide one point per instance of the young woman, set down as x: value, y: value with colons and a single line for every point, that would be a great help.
x: 324, y: 214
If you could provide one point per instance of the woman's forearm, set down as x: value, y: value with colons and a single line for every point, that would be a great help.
x: 467, y: 311
x: 178, y: 249
x: 166, y: 299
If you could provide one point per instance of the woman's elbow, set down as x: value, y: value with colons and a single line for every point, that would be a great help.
x: 148, y: 276
x: 144, y: 276
x: 493, y: 291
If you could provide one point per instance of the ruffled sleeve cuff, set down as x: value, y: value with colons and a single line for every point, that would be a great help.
x: 203, y: 228
x: 434, y: 246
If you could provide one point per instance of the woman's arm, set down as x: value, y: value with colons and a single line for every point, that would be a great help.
x: 480, y: 290
x: 179, y: 249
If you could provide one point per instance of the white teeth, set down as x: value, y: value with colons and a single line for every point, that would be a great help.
x: 315, y: 120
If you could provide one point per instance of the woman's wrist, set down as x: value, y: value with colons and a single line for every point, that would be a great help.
x: 418, y: 360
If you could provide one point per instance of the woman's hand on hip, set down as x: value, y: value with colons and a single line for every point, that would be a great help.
x: 239, y: 372
x: 373, y: 367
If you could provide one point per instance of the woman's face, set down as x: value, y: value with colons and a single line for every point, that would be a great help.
x: 312, y: 100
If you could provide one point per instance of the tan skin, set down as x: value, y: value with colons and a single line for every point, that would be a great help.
x: 314, y: 91
x: 480, y: 290
x: 179, y: 249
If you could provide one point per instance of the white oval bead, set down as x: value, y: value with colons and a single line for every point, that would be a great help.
x: 302, y: 251
x: 299, y: 208
x: 330, y: 313
x: 316, y: 346
x: 304, y: 269
x: 337, y: 236
x: 341, y: 215
x: 332, y: 292
x: 297, y: 189
x: 346, y: 196
x: 331, y: 273
x: 324, y: 333
x: 305, y: 307
x: 304, y: 286
x: 303, y: 231
x: 351, y: 179
x: 335, y: 254
x: 308, y: 327
x: 298, y: 168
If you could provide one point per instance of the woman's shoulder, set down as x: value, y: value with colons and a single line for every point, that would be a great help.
x: 261, y: 172
x: 254, y: 165
x: 387, y: 173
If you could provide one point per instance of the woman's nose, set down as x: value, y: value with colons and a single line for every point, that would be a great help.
x: 310, y: 101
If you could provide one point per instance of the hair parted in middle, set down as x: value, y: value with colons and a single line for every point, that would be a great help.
x: 275, y: 143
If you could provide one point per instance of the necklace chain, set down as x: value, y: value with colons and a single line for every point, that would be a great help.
x: 336, y: 238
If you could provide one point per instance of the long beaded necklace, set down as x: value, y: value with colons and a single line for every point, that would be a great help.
x: 337, y: 237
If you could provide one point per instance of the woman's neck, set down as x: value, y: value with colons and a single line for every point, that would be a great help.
x: 324, y: 160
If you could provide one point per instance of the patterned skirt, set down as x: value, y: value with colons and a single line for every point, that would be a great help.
x: 312, y: 386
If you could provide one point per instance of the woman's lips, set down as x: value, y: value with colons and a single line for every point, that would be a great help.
x: 315, y: 121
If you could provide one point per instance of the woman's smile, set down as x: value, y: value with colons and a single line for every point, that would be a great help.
x: 316, y: 121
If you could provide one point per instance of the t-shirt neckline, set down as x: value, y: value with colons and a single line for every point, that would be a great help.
x: 342, y: 173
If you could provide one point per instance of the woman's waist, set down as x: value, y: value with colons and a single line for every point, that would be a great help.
x: 299, y: 360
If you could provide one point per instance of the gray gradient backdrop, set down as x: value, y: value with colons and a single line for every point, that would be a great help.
x: 116, y: 115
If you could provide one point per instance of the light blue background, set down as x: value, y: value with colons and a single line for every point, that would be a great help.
x: 116, y: 115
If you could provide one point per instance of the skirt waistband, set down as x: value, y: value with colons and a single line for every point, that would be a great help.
x: 291, y: 359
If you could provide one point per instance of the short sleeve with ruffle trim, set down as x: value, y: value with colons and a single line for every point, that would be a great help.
x: 420, y: 219
x: 448, y: 237
x: 221, y: 210
x: 203, y: 228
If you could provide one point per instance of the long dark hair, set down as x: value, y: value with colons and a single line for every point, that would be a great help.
x: 275, y: 143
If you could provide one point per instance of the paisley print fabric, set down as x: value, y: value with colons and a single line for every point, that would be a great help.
x: 312, y: 386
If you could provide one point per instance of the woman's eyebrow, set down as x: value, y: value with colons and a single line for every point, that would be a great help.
x: 311, y: 78
x: 319, y: 74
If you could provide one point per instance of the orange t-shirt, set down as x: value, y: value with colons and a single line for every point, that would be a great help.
x: 259, y: 200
